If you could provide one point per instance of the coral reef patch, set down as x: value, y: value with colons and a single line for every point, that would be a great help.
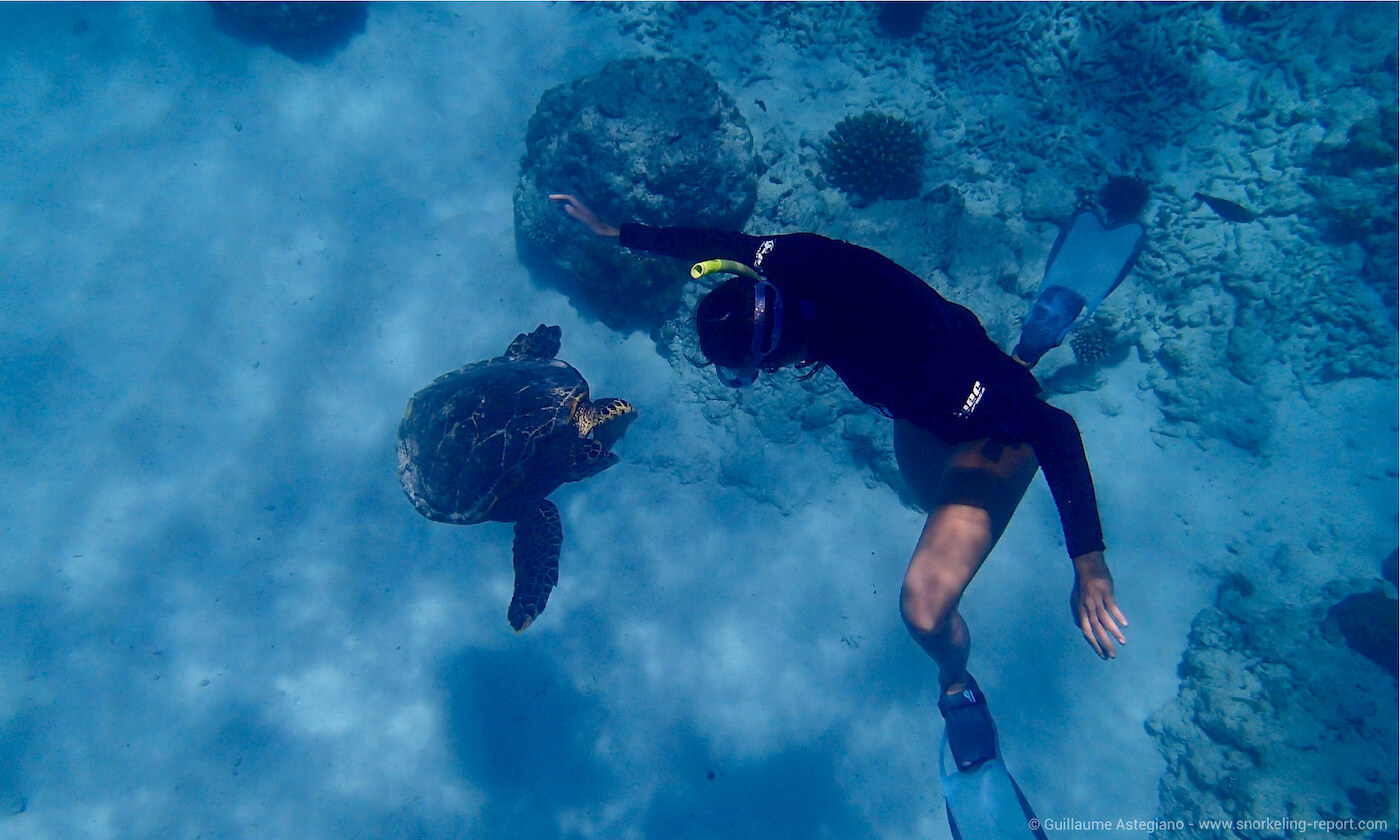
x: 1030, y: 111
x: 648, y: 140
x: 1277, y: 717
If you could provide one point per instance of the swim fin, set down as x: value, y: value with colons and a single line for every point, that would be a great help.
x: 986, y: 803
x: 1087, y: 262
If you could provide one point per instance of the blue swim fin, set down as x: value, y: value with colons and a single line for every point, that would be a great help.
x: 986, y: 803
x: 1087, y: 262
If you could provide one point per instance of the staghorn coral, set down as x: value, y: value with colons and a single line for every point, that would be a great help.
x: 875, y: 156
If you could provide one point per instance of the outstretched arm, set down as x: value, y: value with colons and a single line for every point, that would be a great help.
x: 577, y: 209
x: 685, y: 243
x: 1055, y: 437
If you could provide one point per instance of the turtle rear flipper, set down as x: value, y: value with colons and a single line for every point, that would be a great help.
x: 538, y: 536
x: 543, y: 343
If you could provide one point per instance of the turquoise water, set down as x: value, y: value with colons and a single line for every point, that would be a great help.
x: 225, y: 265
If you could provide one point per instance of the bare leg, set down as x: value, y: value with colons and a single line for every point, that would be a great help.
x: 971, y: 491
x: 955, y: 541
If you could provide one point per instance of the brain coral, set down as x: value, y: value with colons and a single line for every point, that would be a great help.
x: 874, y: 156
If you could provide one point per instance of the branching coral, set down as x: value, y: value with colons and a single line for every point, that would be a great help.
x: 1090, y: 344
x: 875, y: 156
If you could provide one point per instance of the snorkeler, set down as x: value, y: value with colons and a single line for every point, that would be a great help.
x: 970, y: 429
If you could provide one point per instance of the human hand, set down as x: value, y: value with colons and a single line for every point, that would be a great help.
x: 1091, y: 604
x: 577, y: 209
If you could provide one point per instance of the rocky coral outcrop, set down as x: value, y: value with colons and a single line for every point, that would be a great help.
x: 1278, y: 718
x: 648, y: 140
x: 302, y: 31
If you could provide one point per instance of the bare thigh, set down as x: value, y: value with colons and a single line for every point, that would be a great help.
x: 970, y: 491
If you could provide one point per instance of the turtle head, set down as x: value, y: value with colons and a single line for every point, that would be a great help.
x: 605, y: 419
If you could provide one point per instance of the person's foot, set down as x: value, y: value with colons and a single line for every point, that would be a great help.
x: 972, y: 735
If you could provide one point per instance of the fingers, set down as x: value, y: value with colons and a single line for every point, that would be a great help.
x: 1088, y: 632
x: 1096, y: 619
x: 567, y: 203
x: 1112, y: 614
x: 1103, y: 629
x: 1116, y: 613
x: 1103, y: 644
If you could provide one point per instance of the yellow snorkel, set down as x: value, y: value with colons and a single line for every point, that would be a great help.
x: 700, y: 269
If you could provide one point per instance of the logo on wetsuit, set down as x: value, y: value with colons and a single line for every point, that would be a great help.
x: 973, y: 398
x: 763, y: 250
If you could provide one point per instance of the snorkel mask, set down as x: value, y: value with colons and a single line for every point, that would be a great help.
x: 767, y: 321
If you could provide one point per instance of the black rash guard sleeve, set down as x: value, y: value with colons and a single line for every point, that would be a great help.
x: 1054, y: 436
x: 690, y: 243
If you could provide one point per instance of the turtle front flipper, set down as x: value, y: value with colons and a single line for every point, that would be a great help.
x: 586, y: 457
x: 543, y: 343
x: 538, y: 536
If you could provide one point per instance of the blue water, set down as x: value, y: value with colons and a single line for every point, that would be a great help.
x: 225, y: 265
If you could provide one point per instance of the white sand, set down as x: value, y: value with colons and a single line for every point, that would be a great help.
x: 220, y: 617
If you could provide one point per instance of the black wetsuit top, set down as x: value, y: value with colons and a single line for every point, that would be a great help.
x: 906, y: 351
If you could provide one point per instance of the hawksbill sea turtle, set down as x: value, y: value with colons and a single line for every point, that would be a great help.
x: 490, y: 441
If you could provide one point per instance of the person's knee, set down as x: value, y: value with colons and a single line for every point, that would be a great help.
x: 952, y: 547
x: 926, y: 607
